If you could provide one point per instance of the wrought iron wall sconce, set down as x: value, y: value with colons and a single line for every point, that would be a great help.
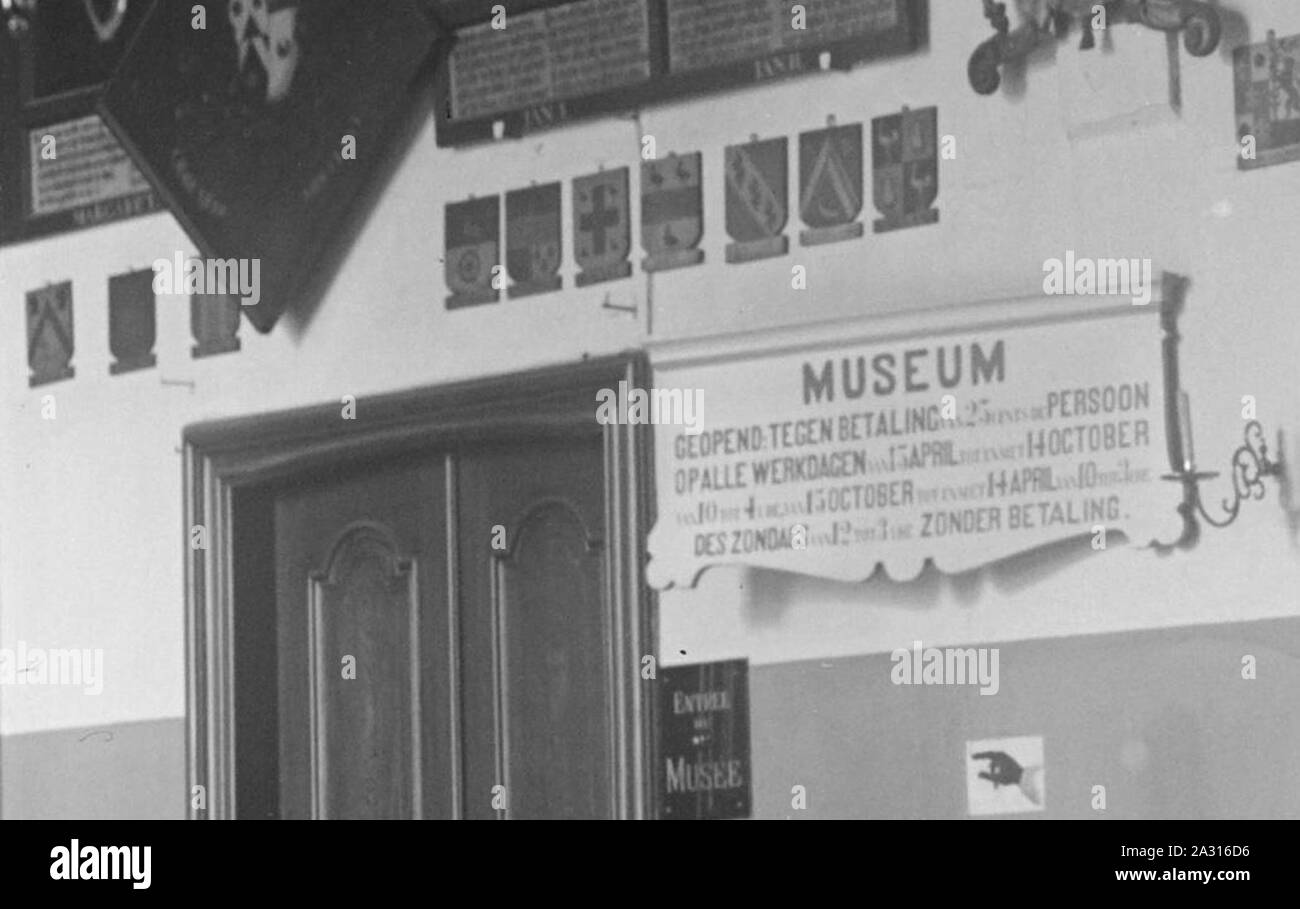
x: 1251, y: 463
x: 1198, y: 21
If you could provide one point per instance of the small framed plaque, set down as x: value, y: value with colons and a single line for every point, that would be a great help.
x: 60, y: 167
x: 1268, y: 100
x: 704, y: 755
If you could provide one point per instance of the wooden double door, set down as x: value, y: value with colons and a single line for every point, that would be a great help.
x: 445, y: 639
x: 439, y: 615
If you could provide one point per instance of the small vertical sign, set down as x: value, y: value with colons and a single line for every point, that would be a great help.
x: 704, y: 731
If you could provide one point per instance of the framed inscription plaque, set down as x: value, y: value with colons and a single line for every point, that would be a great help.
x: 704, y: 755
x: 262, y: 123
x: 542, y: 63
x: 60, y: 167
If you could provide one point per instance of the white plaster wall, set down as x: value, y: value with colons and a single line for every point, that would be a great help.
x: 1020, y: 191
x: 91, y: 540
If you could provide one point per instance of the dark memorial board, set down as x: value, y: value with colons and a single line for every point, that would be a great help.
x: 703, y: 36
x: 704, y: 750
x: 541, y: 67
x: 549, y: 56
x: 263, y: 128
x: 60, y: 167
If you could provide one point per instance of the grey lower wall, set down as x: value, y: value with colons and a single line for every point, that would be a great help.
x: 1162, y: 719
x: 128, y: 771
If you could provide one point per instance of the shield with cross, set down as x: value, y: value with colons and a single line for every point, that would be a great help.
x: 905, y: 161
x: 49, y: 334
x: 602, y: 226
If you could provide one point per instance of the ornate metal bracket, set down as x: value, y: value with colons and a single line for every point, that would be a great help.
x: 1251, y: 462
x: 1198, y: 21
x: 1250, y: 465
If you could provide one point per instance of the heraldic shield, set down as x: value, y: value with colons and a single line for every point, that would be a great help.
x: 672, y: 212
x: 757, y: 190
x: 473, y: 231
x: 214, y: 322
x: 905, y: 161
x: 132, y: 325
x: 830, y: 184
x: 533, y: 242
x: 602, y: 224
x: 49, y: 334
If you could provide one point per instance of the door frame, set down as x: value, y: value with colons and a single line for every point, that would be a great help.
x: 223, y: 456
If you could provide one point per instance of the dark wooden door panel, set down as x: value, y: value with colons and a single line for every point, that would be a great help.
x: 365, y: 691
x: 535, y: 631
x: 556, y: 713
x: 364, y: 610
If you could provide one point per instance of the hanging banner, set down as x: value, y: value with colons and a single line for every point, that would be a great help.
x: 962, y: 446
